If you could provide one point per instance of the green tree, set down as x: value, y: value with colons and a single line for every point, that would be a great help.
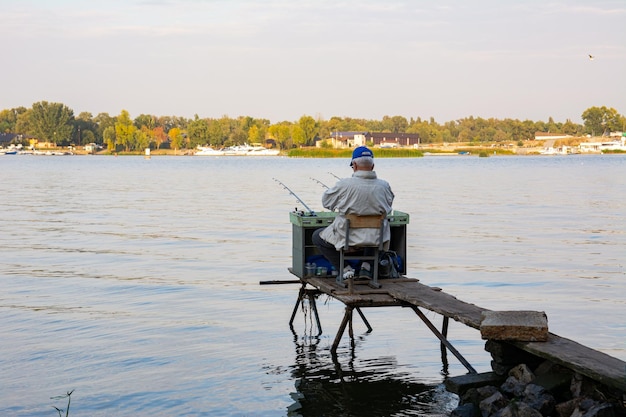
x: 142, y: 138
x: 571, y: 128
x: 103, y: 121
x: 87, y: 137
x: 216, y: 134
x: 239, y: 129
x: 429, y: 132
x: 281, y: 133
x: 529, y: 128
x: 395, y: 124
x: 621, y: 123
x: 125, y: 130
x: 164, y: 122
x: 8, y: 119
x: 297, y: 135
x: 552, y: 126
x: 85, y: 129
x: 601, y: 120
x: 307, y: 133
x: 146, y: 120
x: 254, y: 135
x: 198, y: 131
x: 52, y: 122
x: 230, y: 131
x: 501, y: 136
x: 109, y: 138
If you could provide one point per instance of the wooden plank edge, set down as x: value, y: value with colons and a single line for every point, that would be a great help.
x: 589, y: 362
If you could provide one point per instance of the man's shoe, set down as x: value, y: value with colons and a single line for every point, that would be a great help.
x: 348, y: 272
x: 365, y: 271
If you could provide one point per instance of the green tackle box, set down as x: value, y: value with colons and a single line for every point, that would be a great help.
x: 304, y: 224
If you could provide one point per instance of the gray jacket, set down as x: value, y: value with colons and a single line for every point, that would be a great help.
x: 361, y: 194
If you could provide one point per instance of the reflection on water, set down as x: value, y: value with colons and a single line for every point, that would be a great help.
x: 136, y: 282
x: 326, y: 387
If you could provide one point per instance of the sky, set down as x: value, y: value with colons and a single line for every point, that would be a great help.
x: 280, y: 59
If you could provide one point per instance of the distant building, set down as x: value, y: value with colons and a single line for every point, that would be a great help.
x: 393, y: 139
x: 345, y: 139
x: 380, y: 139
x: 7, y: 138
x: 609, y: 145
x: 92, y: 147
x: 548, y: 136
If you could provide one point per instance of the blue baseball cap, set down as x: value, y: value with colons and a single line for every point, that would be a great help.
x: 361, y: 151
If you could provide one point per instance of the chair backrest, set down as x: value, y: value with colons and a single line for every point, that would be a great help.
x: 365, y: 222
x: 375, y: 221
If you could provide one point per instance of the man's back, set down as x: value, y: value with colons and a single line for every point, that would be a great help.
x: 361, y: 194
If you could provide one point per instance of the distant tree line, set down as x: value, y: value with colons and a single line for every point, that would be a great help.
x: 56, y: 123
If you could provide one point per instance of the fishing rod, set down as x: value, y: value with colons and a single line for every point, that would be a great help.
x: 319, y: 182
x: 297, y: 198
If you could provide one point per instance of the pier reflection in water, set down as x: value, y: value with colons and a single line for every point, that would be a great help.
x: 329, y: 385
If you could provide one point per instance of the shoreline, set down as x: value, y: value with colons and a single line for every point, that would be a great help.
x: 459, y: 149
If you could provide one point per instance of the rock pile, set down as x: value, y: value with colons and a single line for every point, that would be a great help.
x: 538, y: 389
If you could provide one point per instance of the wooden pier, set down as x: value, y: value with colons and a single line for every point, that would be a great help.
x: 410, y: 293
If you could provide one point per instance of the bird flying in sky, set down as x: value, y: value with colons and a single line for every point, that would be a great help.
x: 591, y: 57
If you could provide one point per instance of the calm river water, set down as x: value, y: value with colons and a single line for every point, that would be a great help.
x: 135, y: 282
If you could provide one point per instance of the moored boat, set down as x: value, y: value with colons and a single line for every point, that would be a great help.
x: 237, y: 150
x: 208, y: 151
x: 261, y: 151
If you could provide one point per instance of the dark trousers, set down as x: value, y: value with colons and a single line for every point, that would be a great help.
x: 326, y: 249
x: 329, y: 251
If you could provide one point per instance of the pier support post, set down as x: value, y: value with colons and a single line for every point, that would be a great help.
x: 369, y: 328
x: 310, y: 294
x: 347, y: 318
x: 443, y: 340
x: 347, y: 321
x: 444, y: 351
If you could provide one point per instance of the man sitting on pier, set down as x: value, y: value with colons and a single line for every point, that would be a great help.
x: 361, y: 194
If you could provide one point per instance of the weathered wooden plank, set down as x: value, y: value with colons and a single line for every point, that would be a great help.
x: 366, y: 297
x: 589, y: 362
x: 438, y: 301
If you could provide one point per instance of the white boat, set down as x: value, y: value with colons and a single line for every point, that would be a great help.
x: 248, y: 150
x: 237, y: 150
x: 261, y: 151
x: 208, y: 151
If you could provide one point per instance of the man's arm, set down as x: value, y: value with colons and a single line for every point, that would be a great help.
x: 331, y: 197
